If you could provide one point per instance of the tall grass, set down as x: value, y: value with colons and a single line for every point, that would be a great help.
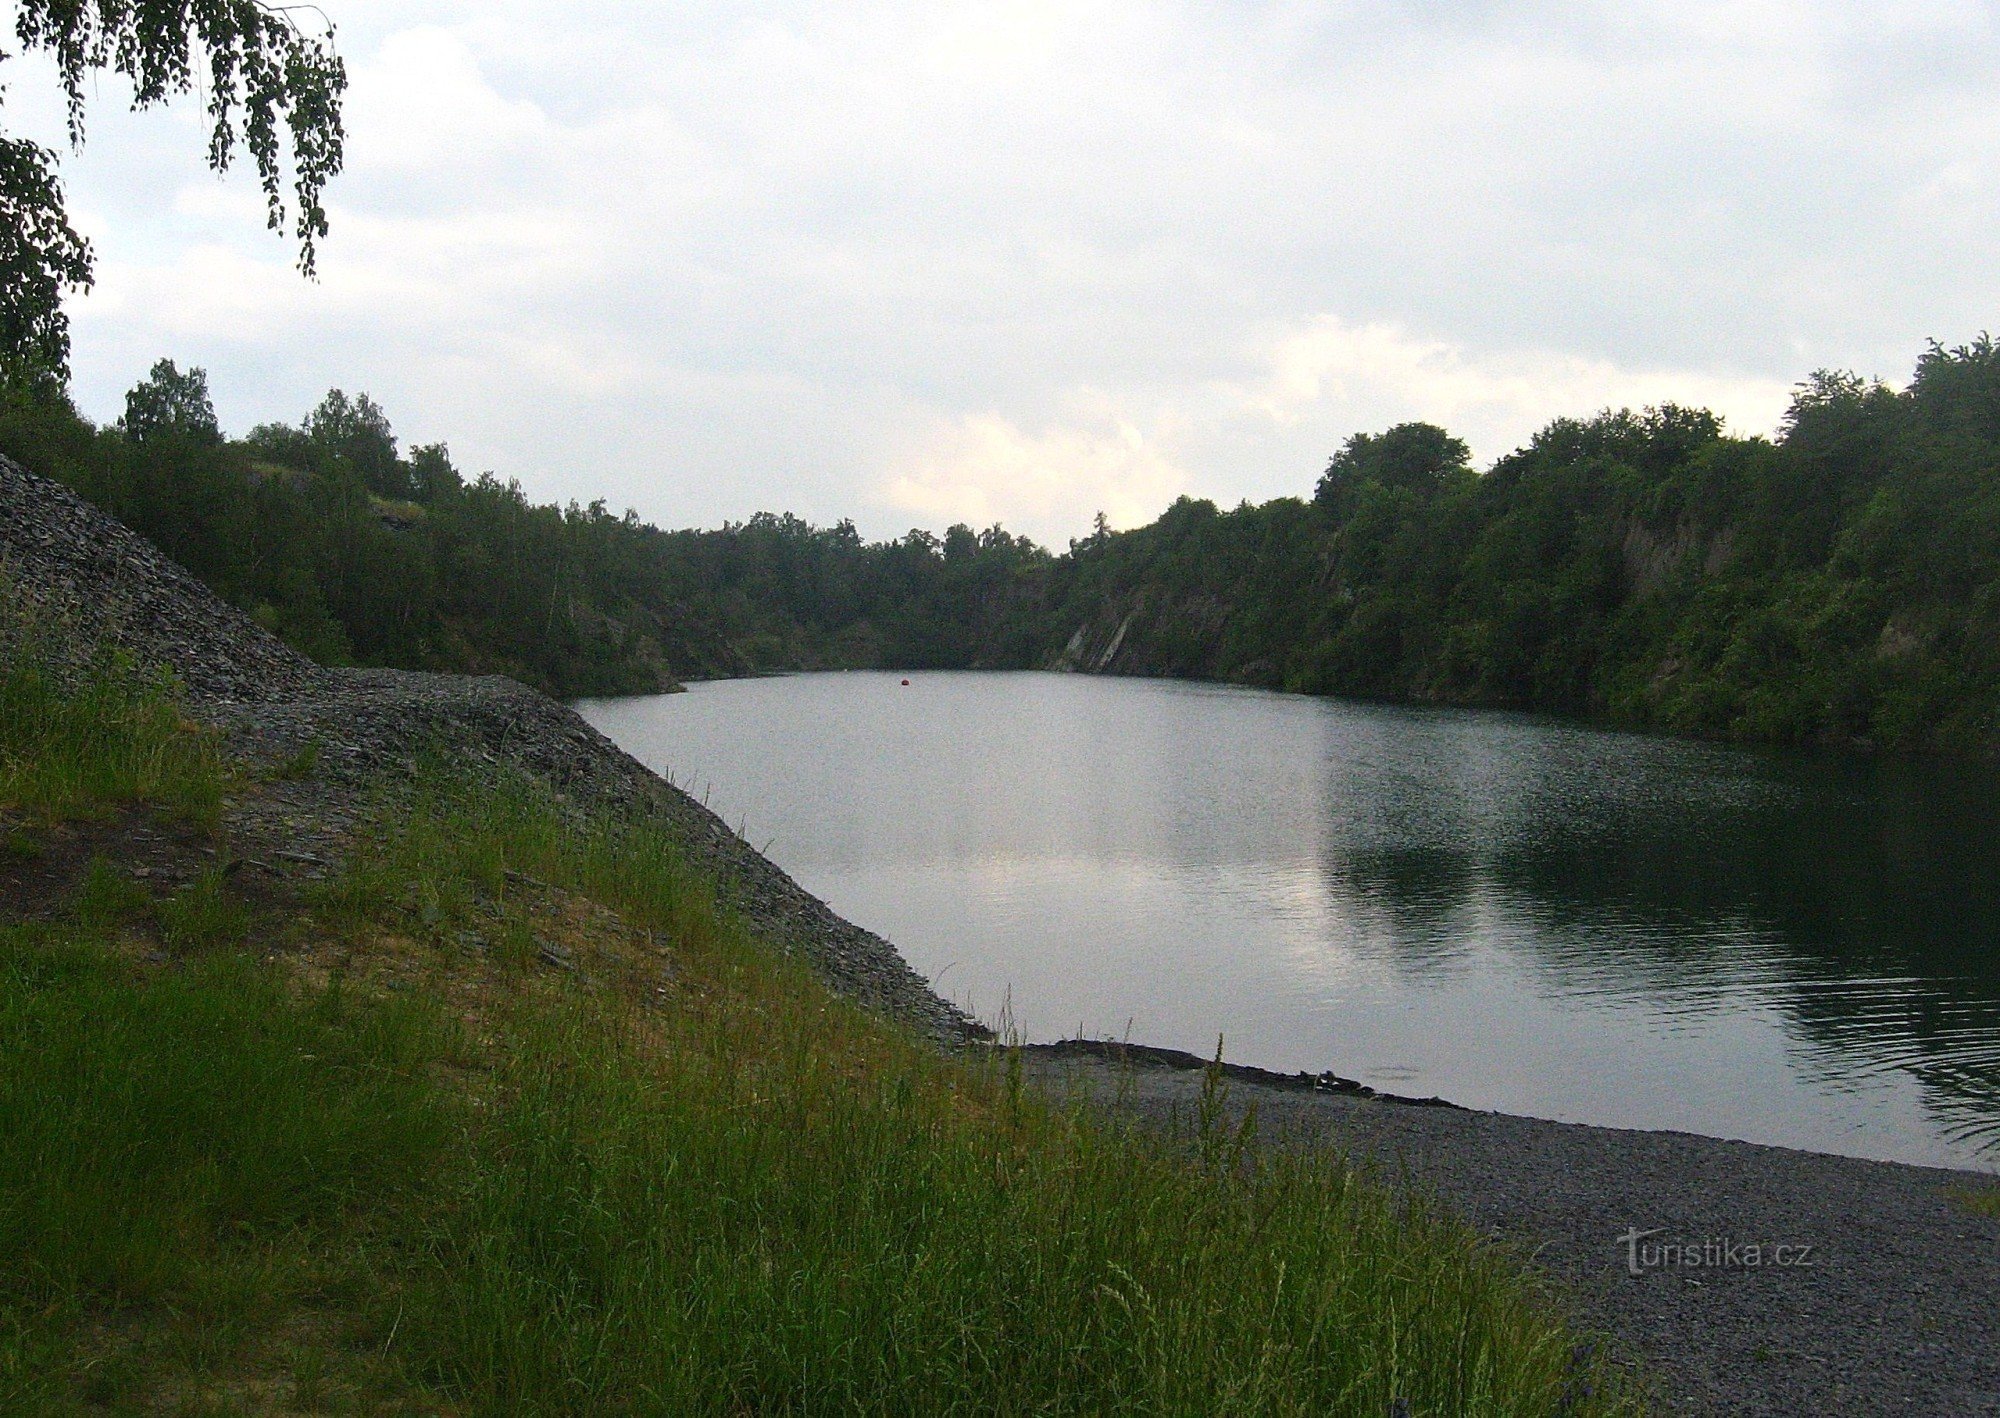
x: 758, y: 1198
x: 693, y: 1183
x: 145, y: 1120
x: 80, y: 736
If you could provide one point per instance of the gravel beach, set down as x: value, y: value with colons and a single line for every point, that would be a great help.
x: 1895, y: 1308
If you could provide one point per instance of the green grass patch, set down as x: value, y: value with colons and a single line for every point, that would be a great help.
x: 299, y: 766
x: 203, y: 915
x: 144, y: 1119
x: 185, y: 1157
x: 106, y: 898
x: 1981, y: 1201
x: 78, y: 739
x: 759, y: 1198
x: 716, y: 1190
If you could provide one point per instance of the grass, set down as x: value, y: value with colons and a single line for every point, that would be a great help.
x: 203, y: 915
x: 77, y: 740
x: 1981, y: 1201
x: 175, y: 1148
x: 144, y: 1119
x: 382, y: 1157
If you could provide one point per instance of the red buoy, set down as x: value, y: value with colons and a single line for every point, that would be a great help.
x: 906, y: 684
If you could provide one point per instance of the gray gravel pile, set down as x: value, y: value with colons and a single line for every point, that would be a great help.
x: 95, y: 582
x: 367, y: 727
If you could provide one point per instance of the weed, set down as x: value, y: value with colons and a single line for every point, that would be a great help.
x: 1981, y: 1201
x: 299, y: 766
x: 309, y: 1380
x: 106, y: 897
x: 204, y: 915
x: 514, y: 944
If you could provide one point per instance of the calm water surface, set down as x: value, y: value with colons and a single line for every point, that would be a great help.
x: 1510, y: 912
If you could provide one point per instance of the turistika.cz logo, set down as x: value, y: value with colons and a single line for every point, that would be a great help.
x: 1642, y: 1253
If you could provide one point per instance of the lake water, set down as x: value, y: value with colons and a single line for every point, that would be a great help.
x: 1510, y: 912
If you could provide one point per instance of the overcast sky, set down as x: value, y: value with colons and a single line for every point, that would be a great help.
x: 925, y: 263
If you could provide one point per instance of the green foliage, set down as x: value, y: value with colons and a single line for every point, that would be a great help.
x: 352, y: 553
x: 258, y: 70
x: 1415, y: 457
x: 1839, y: 585
x: 257, y: 67
x: 355, y: 433
x: 171, y: 405
x: 143, y: 1124
x: 802, y: 1236
x: 41, y: 256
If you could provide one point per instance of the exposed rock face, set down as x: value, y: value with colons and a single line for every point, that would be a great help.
x: 97, y: 582
x: 1154, y: 635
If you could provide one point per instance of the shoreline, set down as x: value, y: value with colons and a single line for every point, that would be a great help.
x: 1864, y: 749
x: 1649, y: 1235
x: 1330, y: 1084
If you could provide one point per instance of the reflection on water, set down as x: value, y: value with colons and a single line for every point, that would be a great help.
x: 1513, y: 913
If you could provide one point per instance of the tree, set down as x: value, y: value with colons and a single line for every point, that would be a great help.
x: 260, y: 71
x: 1414, y: 456
x: 356, y: 431
x: 961, y: 543
x: 432, y: 473
x: 41, y: 256
x: 171, y: 403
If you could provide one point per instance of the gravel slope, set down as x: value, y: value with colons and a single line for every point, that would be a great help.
x: 91, y: 581
x: 1897, y: 1312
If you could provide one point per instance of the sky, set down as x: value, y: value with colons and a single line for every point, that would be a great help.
x: 917, y: 264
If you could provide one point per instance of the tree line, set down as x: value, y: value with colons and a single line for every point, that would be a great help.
x: 1839, y: 582
x: 359, y: 552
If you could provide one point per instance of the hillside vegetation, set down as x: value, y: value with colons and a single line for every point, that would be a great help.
x: 357, y: 553
x: 507, y: 1112
x: 1839, y: 583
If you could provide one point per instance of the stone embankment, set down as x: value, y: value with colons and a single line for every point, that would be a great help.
x: 90, y: 582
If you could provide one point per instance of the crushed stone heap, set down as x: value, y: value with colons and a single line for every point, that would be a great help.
x: 92, y: 581
x: 96, y: 582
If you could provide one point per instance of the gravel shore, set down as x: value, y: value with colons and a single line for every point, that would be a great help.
x: 1894, y: 1309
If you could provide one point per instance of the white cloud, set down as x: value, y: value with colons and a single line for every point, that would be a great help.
x: 983, y: 469
x: 1334, y: 373
x: 859, y: 260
